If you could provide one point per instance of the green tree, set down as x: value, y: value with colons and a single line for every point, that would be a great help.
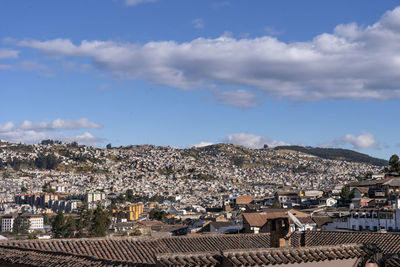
x: 276, y: 205
x: 21, y: 225
x: 345, y: 192
x: 238, y: 161
x: 108, y: 146
x: 394, y: 163
x: 346, y: 195
x: 137, y: 232
x: 32, y: 236
x: 69, y: 228
x: 59, y: 225
x: 100, y: 222
x: 156, y: 214
x: 83, y: 222
x: 48, y: 162
x: 129, y: 195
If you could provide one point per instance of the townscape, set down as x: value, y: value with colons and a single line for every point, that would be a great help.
x: 213, y: 133
x: 150, y: 190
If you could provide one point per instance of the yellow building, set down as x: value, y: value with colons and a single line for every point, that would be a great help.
x: 130, y: 212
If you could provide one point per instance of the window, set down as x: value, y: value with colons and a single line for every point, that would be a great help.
x: 360, y: 228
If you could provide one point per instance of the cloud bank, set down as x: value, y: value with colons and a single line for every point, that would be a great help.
x: 137, y: 2
x: 8, y: 53
x: 202, y: 144
x: 33, y: 132
x: 252, y: 140
x: 364, y: 141
x: 353, y: 62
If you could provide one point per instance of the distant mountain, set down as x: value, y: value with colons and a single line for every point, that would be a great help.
x: 336, y: 154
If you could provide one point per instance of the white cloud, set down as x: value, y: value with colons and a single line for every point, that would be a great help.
x: 137, y: 2
x: 34, y: 132
x: 251, y: 140
x: 30, y: 65
x: 363, y: 141
x: 220, y: 4
x: 202, y: 144
x: 8, y: 126
x: 5, y: 66
x: 63, y: 124
x: 353, y: 62
x: 103, y: 86
x: 272, y: 31
x: 238, y: 98
x: 198, y: 23
x: 8, y: 53
x: 85, y: 138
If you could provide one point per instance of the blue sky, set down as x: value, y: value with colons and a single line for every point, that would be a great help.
x: 191, y: 72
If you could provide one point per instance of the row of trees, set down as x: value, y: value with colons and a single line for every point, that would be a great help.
x: 130, y: 196
x: 47, y: 162
x: 91, y: 223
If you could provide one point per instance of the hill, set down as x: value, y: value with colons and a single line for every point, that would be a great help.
x: 337, y: 154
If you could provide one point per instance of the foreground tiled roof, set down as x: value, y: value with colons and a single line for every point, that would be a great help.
x: 142, y: 250
x: 264, y: 257
x: 387, y: 242
x: 293, y: 255
x: 27, y: 257
x: 227, y: 250
x: 190, y: 259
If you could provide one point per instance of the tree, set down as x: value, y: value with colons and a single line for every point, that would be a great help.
x: 49, y: 162
x: 100, y: 222
x: 137, y: 232
x: 32, y: 236
x: 46, y: 188
x: 21, y: 225
x: 276, y: 205
x: 346, y: 195
x: 83, y: 222
x: 63, y: 227
x: 59, y: 225
x: 69, y: 228
x: 129, y: 195
x: 108, y: 146
x: 345, y: 192
x: 394, y: 163
x: 238, y: 161
x: 156, y: 214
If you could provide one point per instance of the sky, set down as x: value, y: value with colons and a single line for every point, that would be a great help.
x: 197, y: 72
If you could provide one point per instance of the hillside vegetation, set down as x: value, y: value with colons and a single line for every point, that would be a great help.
x: 337, y: 154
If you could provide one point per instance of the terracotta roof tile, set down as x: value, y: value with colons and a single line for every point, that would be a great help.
x: 141, y: 250
x: 259, y: 219
x: 388, y: 242
x: 195, y: 250
x: 292, y: 255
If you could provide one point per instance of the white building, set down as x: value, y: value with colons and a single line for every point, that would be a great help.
x: 369, y: 219
x: 35, y: 222
x: 7, y: 223
x: 95, y: 196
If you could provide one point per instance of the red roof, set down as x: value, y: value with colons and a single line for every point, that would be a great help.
x: 259, y: 219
